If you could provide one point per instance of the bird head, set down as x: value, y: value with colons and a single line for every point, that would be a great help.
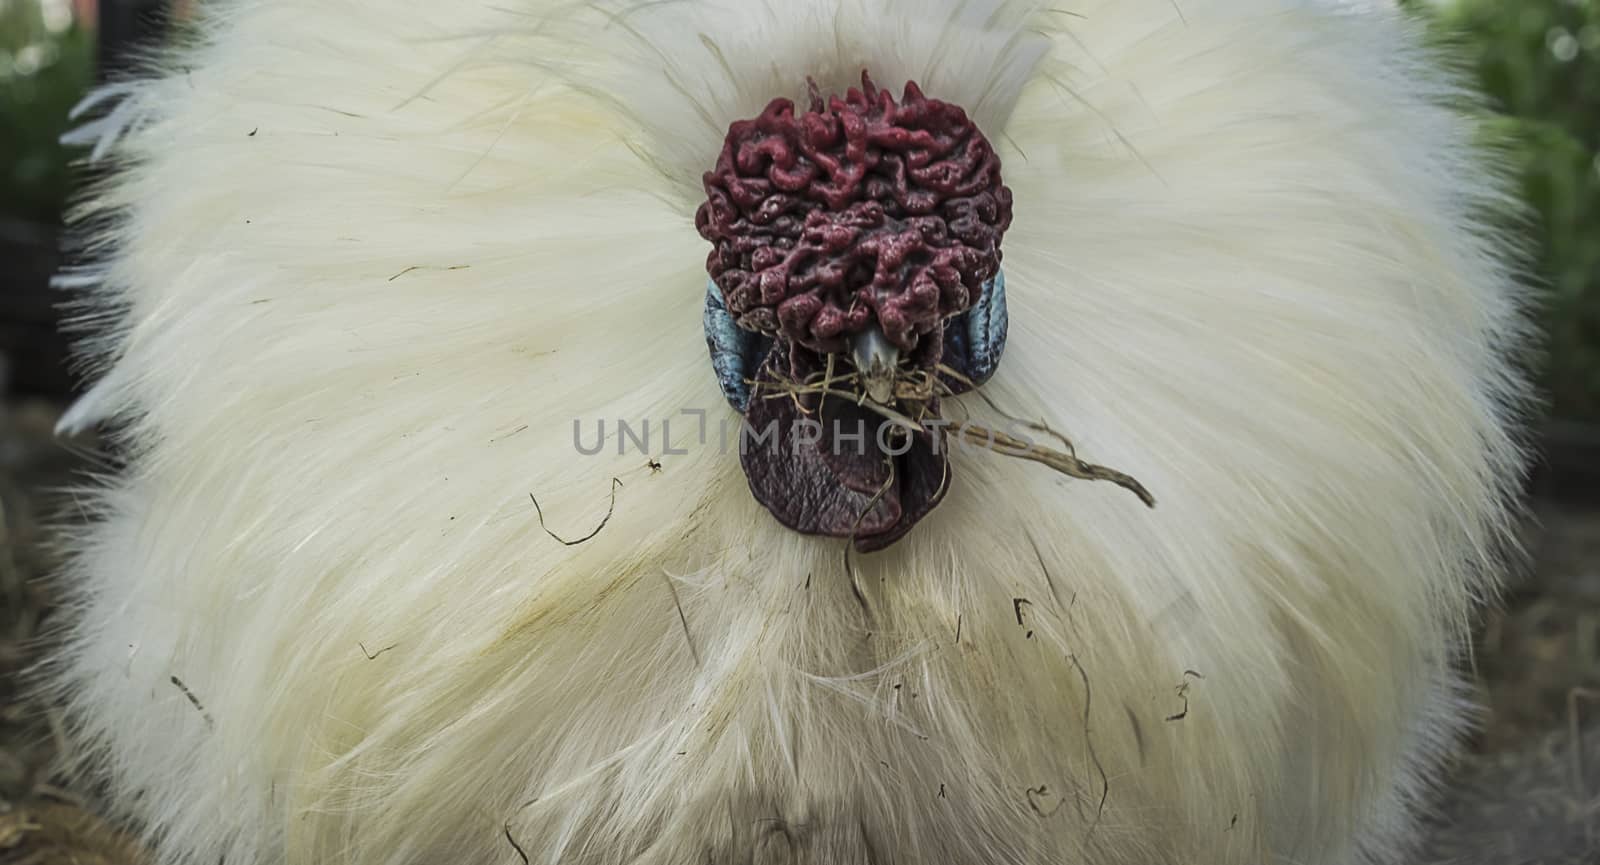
x: 849, y: 235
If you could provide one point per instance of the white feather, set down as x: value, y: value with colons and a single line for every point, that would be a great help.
x: 372, y: 259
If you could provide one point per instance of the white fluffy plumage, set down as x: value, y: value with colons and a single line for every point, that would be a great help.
x: 368, y: 261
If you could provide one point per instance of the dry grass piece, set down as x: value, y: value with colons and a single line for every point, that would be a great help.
x: 917, y: 409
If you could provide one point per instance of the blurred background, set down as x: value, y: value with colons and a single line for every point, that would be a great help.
x: 1527, y: 792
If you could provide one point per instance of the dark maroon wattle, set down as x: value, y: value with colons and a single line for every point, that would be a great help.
x: 860, y: 213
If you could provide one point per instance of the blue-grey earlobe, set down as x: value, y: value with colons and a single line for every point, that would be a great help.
x: 975, y: 339
x: 736, y: 353
x: 973, y: 342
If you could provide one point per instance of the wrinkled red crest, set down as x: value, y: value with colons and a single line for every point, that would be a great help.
x: 860, y: 209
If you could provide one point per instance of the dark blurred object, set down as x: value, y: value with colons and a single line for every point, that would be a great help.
x: 1569, y: 463
x: 33, y: 349
x: 128, y: 27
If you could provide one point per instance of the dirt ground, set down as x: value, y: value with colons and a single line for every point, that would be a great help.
x: 1526, y: 793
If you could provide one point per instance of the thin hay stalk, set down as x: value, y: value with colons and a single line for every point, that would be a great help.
x: 919, y: 389
x: 1065, y: 463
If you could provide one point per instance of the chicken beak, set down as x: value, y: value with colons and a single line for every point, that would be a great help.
x: 876, y: 358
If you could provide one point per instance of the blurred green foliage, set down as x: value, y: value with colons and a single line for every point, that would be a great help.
x: 43, y: 73
x: 1538, y: 60
x: 1539, y: 63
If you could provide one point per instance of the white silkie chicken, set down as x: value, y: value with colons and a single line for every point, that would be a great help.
x: 391, y: 290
